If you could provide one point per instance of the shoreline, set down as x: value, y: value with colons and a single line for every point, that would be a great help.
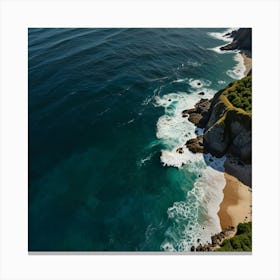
x: 234, y: 209
x: 247, y: 62
x: 236, y: 205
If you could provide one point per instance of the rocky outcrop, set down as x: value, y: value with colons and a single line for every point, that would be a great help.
x: 180, y: 150
x: 216, y: 241
x: 199, y: 114
x: 196, y: 145
x: 242, y: 40
x: 227, y: 128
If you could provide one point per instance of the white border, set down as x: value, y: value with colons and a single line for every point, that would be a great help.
x: 17, y: 16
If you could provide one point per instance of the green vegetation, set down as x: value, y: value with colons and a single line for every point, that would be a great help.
x: 242, y: 241
x: 239, y: 94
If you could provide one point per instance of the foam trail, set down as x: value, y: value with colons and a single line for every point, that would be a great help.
x: 239, y: 69
x: 221, y: 35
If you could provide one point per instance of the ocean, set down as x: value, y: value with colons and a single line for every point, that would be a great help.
x: 104, y: 123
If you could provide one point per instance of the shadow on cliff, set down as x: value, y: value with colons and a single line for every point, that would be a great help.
x: 232, y: 166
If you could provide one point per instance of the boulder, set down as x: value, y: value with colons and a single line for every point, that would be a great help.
x: 198, y: 115
x: 196, y: 145
x: 195, y: 118
x: 180, y: 150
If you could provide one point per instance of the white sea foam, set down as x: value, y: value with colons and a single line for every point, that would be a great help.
x: 195, y: 83
x: 184, y: 80
x: 196, y: 217
x: 239, y: 69
x: 131, y: 121
x: 148, y: 154
x: 142, y: 161
x: 195, y: 220
x: 221, y: 35
x: 174, y: 130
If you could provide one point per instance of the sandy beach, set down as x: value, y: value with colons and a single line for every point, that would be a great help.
x: 247, y: 63
x: 236, y: 205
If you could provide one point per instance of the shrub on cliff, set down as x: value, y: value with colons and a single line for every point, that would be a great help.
x: 239, y: 94
x: 242, y: 241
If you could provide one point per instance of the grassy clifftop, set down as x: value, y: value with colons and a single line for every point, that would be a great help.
x: 238, y: 95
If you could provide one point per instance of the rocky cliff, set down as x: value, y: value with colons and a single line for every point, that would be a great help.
x: 242, y: 40
x: 227, y: 122
x: 228, y: 129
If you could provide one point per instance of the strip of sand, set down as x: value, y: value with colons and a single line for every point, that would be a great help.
x: 236, y: 205
x: 247, y: 63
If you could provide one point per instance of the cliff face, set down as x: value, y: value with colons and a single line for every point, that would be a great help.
x: 242, y: 40
x: 228, y: 129
x: 227, y: 122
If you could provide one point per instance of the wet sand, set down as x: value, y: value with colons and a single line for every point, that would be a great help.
x: 247, y: 63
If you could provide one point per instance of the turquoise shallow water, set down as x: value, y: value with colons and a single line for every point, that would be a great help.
x: 97, y: 180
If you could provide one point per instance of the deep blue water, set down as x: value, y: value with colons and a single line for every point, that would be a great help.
x: 96, y: 180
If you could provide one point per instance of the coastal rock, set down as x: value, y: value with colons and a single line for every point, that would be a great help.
x: 196, y: 145
x: 195, y: 118
x: 241, y: 145
x: 180, y: 150
x: 216, y: 240
x: 199, y: 248
x: 232, y: 135
x: 228, y: 130
x: 186, y: 113
x: 241, y: 171
x: 242, y: 40
x: 216, y: 140
x: 230, y: 34
x: 198, y: 115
